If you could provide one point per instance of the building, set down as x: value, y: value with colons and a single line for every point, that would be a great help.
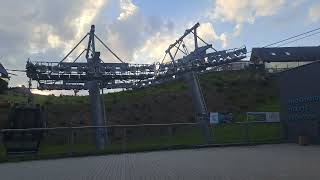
x: 3, y: 72
x: 300, y: 102
x: 235, y: 66
x: 4, y: 77
x: 280, y: 58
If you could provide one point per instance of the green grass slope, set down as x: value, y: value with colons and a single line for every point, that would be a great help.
x: 232, y: 91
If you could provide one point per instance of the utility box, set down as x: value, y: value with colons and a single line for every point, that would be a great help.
x: 300, y: 102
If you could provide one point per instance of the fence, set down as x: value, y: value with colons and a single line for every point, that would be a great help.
x: 66, y: 141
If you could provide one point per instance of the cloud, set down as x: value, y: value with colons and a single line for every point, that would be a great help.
x: 127, y: 9
x: 297, y: 3
x: 244, y: 11
x: 43, y: 30
x: 131, y: 30
x: 314, y: 12
x: 206, y: 31
x: 237, y: 30
x: 224, y: 39
x: 153, y: 49
x: 46, y: 30
x: 39, y: 92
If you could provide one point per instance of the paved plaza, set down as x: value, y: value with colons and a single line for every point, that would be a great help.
x: 269, y: 162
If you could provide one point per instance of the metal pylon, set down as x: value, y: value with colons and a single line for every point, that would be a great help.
x: 199, y: 103
x: 97, y: 106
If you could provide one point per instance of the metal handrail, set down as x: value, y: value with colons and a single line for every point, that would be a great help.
x: 92, y: 127
x: 256, y: 122
x: 122, y: 126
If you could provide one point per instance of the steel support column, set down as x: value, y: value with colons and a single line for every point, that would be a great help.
x: 97, y: 114
x: 199, y: 103
x: 104, y: 116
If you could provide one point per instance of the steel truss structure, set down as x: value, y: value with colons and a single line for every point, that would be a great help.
x: 73, y: 75
x: 95, y: 74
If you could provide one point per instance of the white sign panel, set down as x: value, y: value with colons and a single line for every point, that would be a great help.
x: 273, y: 117
x: 214, y: 118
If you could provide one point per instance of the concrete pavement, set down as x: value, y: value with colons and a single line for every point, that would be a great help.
x: 269, y: 162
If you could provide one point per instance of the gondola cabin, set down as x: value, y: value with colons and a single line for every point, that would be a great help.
x: 24, y: 117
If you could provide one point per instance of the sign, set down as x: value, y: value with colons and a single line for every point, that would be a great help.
x: 272, y: 117
x: 300, y: 102
x: 214, y: 118
x: 220, y: 117
x: 263, y: 116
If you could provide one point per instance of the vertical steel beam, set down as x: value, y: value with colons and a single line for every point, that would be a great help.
x: 195, y: 39
x: 97, y: 114
x: 199, y: 103
x: 91, y: 45
x: 104, y: 116
x: 97, y: 103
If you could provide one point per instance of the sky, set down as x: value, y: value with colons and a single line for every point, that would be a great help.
x: 139, y: 31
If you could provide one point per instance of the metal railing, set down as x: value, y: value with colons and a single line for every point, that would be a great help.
x: 66, y: 141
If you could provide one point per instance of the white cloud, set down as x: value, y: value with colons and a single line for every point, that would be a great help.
x: 206, y: 31
x: 314, y: 12
x: 224, y: 40
x: 237, y: 30
x: 297, y: 3
x: 55, y: 92
x: 41, y: 25
x: 43, y: 30
x: 153, y: 50
x: 127, y: 34
x: 40, y: 92
x: 127, y: 9
x: 245, y: 10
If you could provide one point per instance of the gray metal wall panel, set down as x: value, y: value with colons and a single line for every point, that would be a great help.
x: 300, y: 101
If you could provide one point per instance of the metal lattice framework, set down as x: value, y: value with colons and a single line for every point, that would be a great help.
x: 95, y: 74
x: 73, y: 75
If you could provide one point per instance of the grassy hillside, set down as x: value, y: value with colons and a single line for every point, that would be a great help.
x: 237, y: 92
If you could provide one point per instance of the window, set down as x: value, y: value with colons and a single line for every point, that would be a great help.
x: 287, y: 53
x: 273, y: 54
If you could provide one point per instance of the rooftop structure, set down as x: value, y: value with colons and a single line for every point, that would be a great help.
x: 285, y: 54
x: 3, y: 72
